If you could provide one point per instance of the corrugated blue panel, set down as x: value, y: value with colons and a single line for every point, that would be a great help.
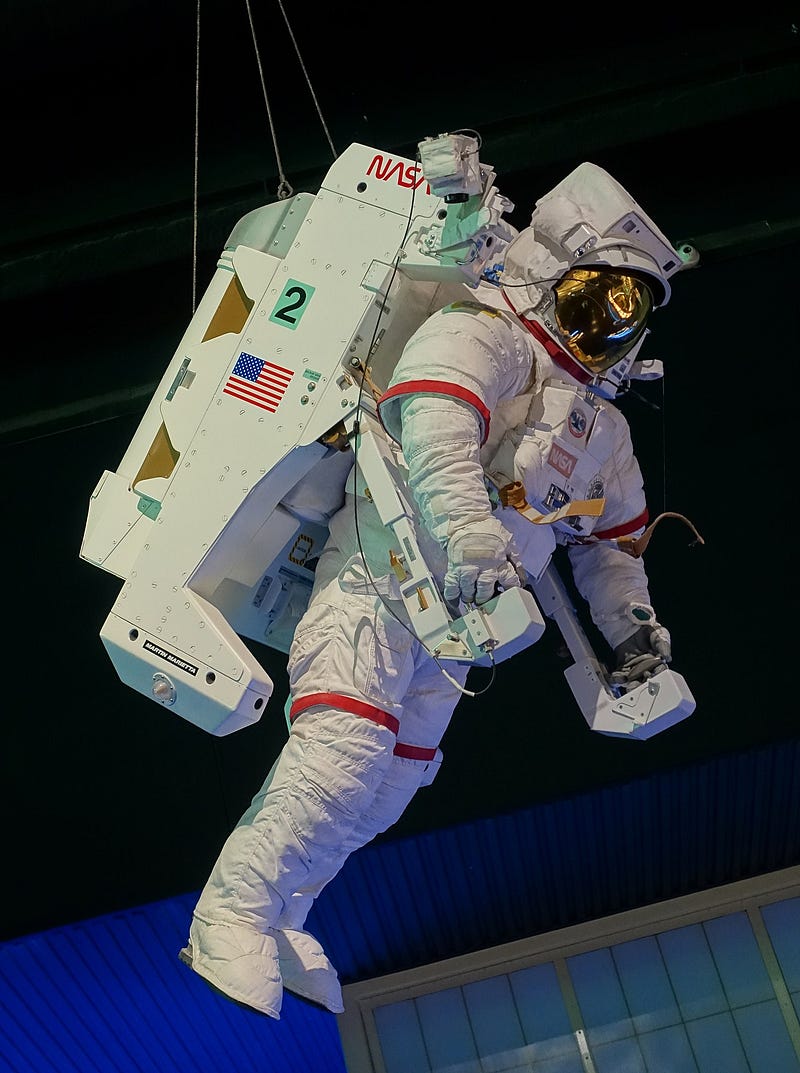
x: 398, y: 904
x: 110, y: 996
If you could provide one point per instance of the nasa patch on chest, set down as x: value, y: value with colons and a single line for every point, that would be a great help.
x: 561, y: 460
x: 578, y: 475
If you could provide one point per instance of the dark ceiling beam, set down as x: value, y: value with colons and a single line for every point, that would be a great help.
x: 132, y: 399
x: 536, y: 141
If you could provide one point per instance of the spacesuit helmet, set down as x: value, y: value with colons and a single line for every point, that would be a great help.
x: 601, y: 315
x: 591, y: 268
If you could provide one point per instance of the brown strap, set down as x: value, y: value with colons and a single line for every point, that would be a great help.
x: 635, y: 546
x: 366, y: 372
x: 513, y: 495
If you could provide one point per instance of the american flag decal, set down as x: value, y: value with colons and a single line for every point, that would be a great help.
x: 261, y: 383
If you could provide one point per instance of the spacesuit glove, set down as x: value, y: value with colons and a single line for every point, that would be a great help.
x: 641, y: 655
x: 481, y: 560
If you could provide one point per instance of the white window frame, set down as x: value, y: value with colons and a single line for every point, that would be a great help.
x: 357, y: 1028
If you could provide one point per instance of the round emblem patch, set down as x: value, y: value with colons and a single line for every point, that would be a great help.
x: 577, y: 423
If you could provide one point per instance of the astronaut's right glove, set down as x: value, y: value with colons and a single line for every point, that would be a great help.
x: 641, y: 655
x: 482, y: 560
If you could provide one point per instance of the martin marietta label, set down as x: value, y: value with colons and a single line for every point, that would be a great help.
x: 170, y: 657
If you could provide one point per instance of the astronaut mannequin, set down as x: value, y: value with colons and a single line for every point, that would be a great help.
x: 475, y: 402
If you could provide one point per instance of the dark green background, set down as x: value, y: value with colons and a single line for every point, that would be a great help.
x: 108, y: 801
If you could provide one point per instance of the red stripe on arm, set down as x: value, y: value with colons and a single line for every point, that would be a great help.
x: 441, y: 387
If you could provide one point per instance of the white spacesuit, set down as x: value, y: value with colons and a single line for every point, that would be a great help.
x: 510, y: 388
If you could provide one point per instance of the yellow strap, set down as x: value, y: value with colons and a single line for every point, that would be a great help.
x: 513, y: 495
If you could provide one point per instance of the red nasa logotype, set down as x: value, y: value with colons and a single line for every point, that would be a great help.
x: 561, y: 460
x: 404, y: 174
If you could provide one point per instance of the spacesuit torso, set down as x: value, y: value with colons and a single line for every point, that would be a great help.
x: 552, y: 435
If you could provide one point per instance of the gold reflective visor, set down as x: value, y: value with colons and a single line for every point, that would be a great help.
x: 601, y: 315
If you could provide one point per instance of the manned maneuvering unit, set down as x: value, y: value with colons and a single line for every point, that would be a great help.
x: 215, y: 515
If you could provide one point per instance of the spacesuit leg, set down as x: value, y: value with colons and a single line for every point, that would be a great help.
x: 427, y: 710
x: 328, y: 772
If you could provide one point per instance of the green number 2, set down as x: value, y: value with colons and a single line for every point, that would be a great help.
x: 292, y: 304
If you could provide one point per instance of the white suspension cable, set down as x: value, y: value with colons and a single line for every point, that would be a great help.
x: 195, y: 209
x: 308, y: 80
x: 664, y: 445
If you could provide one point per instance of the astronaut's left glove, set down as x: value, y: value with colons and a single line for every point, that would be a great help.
x: 641, y: 655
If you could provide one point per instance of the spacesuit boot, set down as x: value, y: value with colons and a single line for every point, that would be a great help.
x: 325, y: 779
x: 288, y: 959
x: 239, y: 963
x: 306, y: 970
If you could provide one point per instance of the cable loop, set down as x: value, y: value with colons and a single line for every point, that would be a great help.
x: 284, y: 183
x: 195, y: 189
x: 284, y: 186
